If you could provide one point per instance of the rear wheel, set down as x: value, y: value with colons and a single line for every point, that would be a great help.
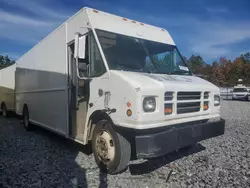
x: 26, y: 122
x: 111, y: 150
x: 4, y: 110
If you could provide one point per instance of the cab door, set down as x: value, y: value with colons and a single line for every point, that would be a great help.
x: 86, y: 95
x: 78, y: 93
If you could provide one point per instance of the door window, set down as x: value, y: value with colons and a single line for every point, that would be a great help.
x: 97, y: 67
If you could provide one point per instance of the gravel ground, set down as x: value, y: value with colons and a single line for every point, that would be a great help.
x: 43, y: 159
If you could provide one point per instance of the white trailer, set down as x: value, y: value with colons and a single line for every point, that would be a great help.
x: 117, y: 83
x: 7, y: 89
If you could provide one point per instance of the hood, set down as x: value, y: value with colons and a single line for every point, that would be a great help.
x: 171, y: 82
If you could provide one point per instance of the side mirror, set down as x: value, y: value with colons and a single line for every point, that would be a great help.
x: 80, y: 42
x: 82, y: 67
x: 79, y: 53
x: 83, y: 70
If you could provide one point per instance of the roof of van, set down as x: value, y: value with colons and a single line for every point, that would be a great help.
x: 113, y: 23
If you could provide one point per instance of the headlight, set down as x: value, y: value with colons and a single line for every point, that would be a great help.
x: 216, y: 100
x: 149, y: 104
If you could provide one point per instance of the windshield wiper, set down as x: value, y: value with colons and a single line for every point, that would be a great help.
x: 179, y: 72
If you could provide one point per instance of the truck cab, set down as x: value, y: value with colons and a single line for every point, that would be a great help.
x: 151, y: 103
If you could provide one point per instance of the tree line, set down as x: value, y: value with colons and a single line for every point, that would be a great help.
x: 5, y: 61
x: 224, y: 72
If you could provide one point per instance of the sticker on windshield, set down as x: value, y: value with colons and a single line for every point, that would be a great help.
x: 183, y: 68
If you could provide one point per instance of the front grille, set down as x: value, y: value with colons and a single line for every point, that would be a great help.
x: 240, y: 95
x: 188, y: 95
x: 168, y: 96
x: 188, y: 107
x: 185, y: 102
x: 206, y: 95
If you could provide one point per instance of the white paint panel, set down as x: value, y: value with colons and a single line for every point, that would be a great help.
x: 42, y: 82
x: 135, y: 86
x: 7, y: 87
x: 116, y: 24
x: 7, y: 77
x: 76, y: 23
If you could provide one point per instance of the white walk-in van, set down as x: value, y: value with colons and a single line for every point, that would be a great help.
x: 7, y: 89
x: 117, y: 83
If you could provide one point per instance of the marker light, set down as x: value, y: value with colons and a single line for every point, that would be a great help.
x: 205, y: 106
x: 168, y: 109
x: 129, y: 112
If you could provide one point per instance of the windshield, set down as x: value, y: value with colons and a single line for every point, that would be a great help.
x: 133, y: 54
x: 240, y: 90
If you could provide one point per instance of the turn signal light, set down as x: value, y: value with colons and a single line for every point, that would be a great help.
x: 129, y: 112
x: 205, y: 106
x: 168, y: 110
x: 128, y: 104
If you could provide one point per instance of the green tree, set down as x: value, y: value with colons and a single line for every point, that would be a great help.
x: 5, y: 61
x: 196, y: 63
x: 245, y: 57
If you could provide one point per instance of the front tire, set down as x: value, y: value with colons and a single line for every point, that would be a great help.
x: 111, y: 150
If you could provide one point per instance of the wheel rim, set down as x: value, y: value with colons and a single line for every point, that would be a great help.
x: 105, y: 147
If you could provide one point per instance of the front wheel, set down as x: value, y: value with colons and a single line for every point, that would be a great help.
x: 111, y: 150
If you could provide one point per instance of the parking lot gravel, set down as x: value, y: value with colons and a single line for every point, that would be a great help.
x: 40, y: 158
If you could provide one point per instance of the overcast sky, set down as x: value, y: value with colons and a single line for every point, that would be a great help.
x: 209, y: 28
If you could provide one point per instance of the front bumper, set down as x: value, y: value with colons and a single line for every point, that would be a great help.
x: 156, y: 143
x: 240, y: 97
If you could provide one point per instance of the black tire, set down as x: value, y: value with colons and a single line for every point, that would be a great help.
x: 121, y: 145
x: 4, y: 110
x: 26, y: 122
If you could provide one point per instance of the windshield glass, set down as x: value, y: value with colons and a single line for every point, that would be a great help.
x: 240, y: 90
x: 133, y: 54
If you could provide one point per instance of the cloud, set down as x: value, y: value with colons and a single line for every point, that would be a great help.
x: 7, y: 18
x: 30, y: 22
x: 217, y: 10
x: 39, y: 8
x: 216, y: 38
